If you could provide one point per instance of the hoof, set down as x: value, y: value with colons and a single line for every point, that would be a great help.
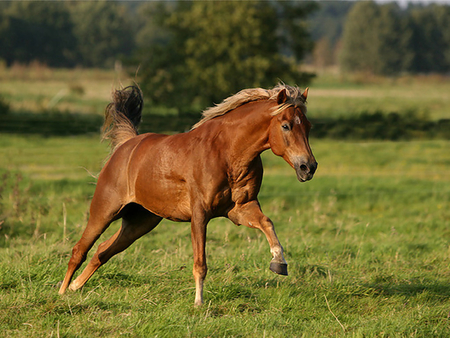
x: 279, y: 268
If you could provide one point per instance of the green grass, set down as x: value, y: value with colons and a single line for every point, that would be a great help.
x: 338, y: 95
x: 39, y: 89
x: 367, y: 242
x: 332, y: 95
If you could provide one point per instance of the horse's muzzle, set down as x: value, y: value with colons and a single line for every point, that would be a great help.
x: 305, y: 170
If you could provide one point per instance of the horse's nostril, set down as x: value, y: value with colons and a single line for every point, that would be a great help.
x: 303, y: 167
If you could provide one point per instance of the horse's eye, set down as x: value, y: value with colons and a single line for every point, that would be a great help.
x: 286, y: 127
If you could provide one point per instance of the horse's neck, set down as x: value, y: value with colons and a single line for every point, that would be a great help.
x: 244, y: 132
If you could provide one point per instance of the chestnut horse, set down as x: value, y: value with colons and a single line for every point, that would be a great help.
x: 213, y: 170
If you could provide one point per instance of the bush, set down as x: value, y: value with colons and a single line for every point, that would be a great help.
x: 381, y: 126
x: 4, y: 106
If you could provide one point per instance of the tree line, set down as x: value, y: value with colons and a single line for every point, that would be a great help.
x: 388, y: 40
x: 209, y: 50
x: 204, y: 50
x: 380, y: 38
x: 65, y: 34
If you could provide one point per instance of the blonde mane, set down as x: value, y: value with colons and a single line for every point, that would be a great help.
x: 294, y: 98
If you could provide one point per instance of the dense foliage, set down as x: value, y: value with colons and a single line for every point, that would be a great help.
x: 384, y: 39
x: 214, y: 49
x: 209, y: 50
x: 64, y: 34
x: 379, y: 38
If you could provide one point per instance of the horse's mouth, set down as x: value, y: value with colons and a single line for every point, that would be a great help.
x: 305, y: 172
x: 302, y: 177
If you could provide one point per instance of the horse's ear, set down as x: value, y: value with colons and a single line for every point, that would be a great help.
x: 305, y: 93
x: 282, y: 96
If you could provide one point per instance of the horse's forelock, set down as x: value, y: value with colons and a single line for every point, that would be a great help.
x: 294, y: 98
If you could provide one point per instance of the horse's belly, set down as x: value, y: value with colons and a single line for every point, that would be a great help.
x: 165, y: 199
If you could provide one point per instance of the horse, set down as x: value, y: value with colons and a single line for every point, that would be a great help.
x: 212, y: 170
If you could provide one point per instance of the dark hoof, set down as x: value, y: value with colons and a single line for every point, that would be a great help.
x: 279, y: 268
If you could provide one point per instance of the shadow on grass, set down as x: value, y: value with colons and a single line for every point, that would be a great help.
x: 411, y: 289
x: 364, y: 126
x: 67, y: 124
x: 50, y: 123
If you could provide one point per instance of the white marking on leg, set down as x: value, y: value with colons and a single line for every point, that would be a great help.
x: 198, y: 293
x: 277, y: 254
x: 73, y: 286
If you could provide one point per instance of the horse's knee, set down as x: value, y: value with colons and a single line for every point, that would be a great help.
x: 200, y: 270
x: 266, y: 222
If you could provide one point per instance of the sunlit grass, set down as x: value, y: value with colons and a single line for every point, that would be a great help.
x: 334, y: 94
x: 367, y: 242
x: 38, y: 89
x: 53, y: 158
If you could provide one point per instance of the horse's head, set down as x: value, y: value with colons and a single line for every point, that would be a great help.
x: 288, y: 137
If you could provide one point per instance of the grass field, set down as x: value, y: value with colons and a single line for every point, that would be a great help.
x: 367, y: 242
x: 38, y: 89
x: 337, y: 95
x: 331, y: 95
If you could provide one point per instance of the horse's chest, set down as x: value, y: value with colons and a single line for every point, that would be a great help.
x: 231, y: 192
x: 246, y: 188
x: 221, y: 201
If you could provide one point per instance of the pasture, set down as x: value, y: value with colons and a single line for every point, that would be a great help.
x: 87, y: 91
x: 367, y: 242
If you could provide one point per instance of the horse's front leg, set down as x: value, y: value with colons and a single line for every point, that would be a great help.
x: 250, y: 214
x: 198, y: 237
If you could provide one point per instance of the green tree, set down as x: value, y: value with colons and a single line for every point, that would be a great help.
x: 375, y: 39
x: 103, y: 32
x: 328, y: 21
x: 431, y: 38
x: 39, y: 31
x: 213, y: 49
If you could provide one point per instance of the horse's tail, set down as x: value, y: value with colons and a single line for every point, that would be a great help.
x: 122, y: 116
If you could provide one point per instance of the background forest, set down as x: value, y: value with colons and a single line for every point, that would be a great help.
x: 223, y: 47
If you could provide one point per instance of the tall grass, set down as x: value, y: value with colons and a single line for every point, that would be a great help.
x: 367, y: 242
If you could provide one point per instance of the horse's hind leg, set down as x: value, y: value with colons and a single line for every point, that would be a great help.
x: 101, y: 216
x: 136, y: 222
